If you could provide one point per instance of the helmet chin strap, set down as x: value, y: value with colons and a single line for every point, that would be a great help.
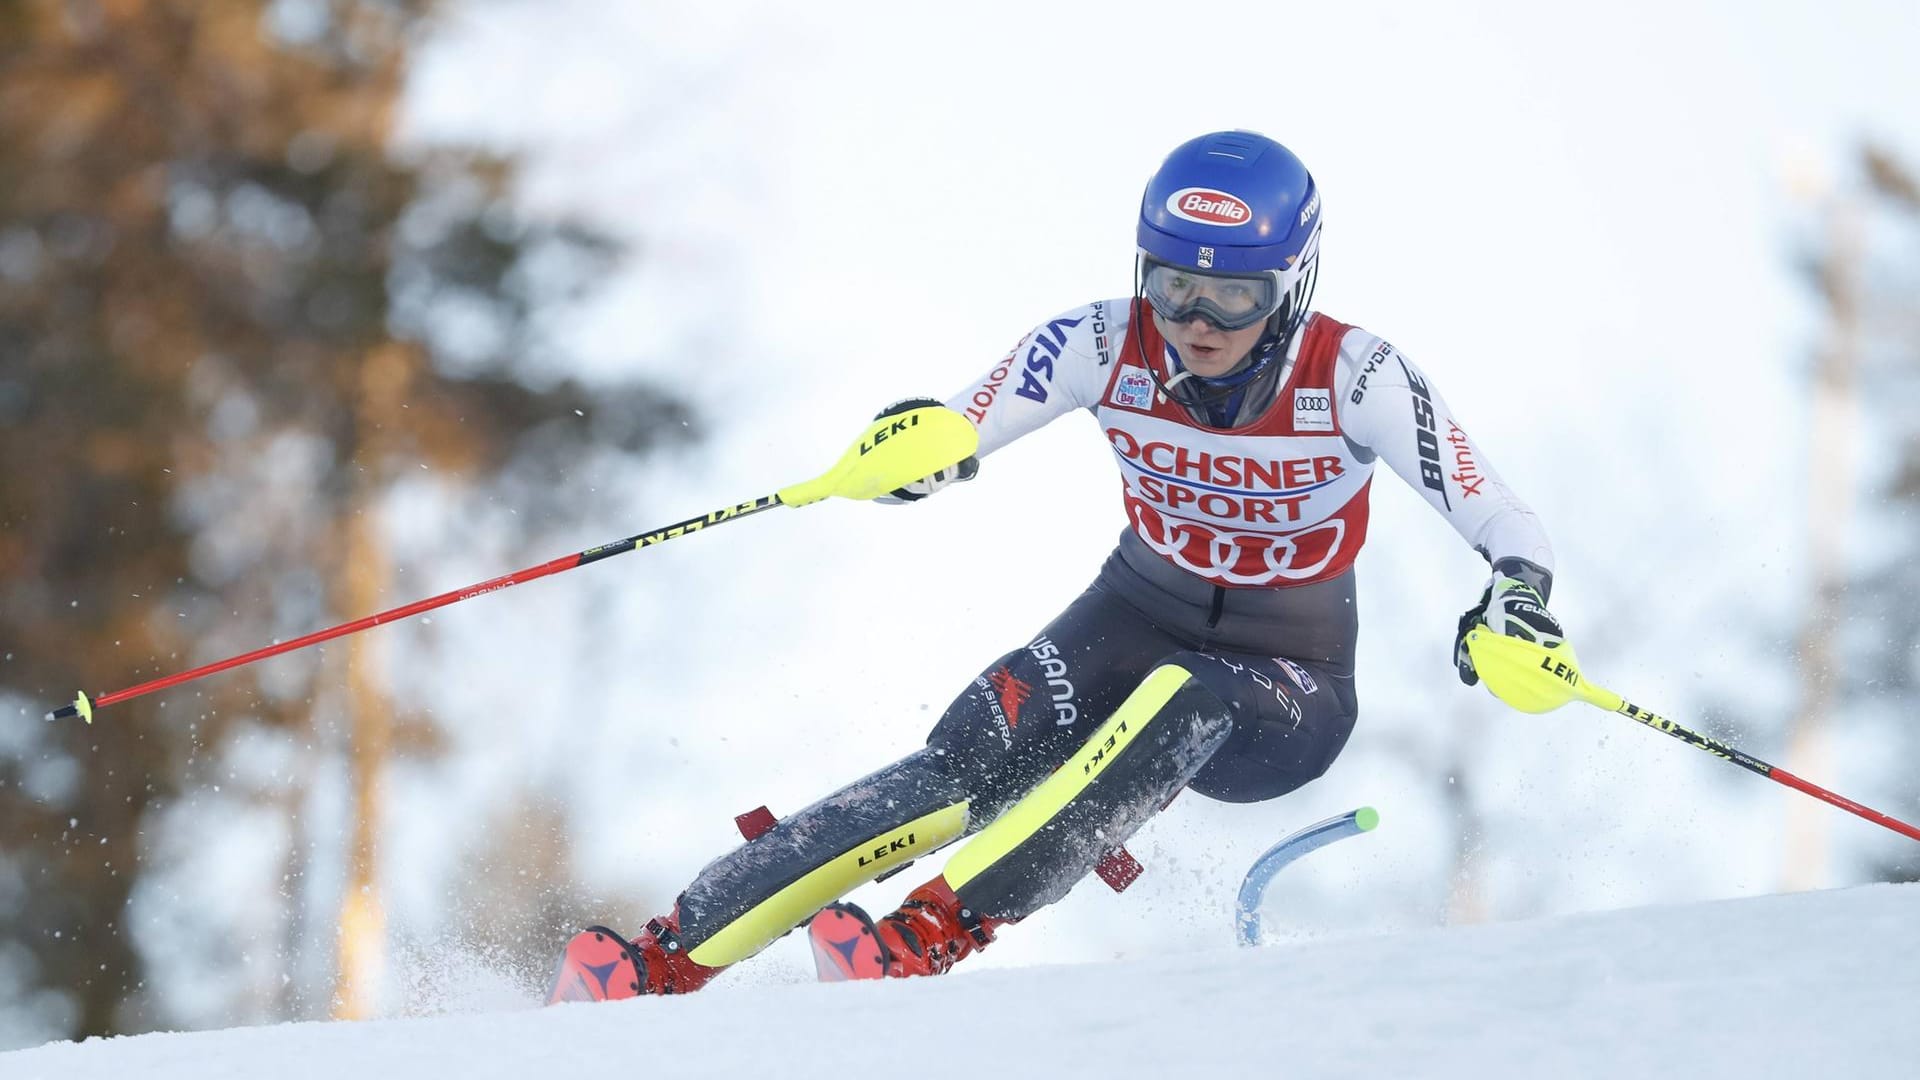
x: 1217, y: 387
x: 1252, y: 364
x: 1220, y: 397
x: 1219, y: 401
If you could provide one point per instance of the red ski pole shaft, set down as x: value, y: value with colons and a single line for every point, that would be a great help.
x: 83, y: 706
x: 1755, y: 765
x: 897, y: 448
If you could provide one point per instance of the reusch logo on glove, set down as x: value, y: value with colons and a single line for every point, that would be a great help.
x: 1209, y: 207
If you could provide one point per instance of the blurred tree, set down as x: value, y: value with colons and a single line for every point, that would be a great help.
x: 231, y: 320
x: 1858, y: 646
x: 1832, y: 435
x: 1887, y: 648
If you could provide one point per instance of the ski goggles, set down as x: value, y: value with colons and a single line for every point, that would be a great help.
x: 1228, y: 301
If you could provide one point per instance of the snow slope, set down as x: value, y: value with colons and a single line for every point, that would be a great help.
x: 1809, y: 984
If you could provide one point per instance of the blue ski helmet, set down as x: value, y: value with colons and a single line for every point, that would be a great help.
x: 1237, y: 209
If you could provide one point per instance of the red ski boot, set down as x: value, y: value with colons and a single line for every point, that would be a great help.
x: 931, y: 932
x: 600, y: 965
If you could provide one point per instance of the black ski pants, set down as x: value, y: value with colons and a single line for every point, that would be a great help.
x: 1263, y: 726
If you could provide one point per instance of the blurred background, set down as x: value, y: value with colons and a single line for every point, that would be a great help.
x: 310, y: 308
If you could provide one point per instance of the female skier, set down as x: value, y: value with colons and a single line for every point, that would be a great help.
x: 1213, y: 651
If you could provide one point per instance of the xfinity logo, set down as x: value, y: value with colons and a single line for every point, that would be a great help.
x: 1469, y: 477
x: 1312, y: 410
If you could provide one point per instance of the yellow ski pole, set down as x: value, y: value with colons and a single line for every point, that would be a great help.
x: 1536, y: 679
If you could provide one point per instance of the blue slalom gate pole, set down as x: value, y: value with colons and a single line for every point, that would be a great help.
x: 1253, y: 889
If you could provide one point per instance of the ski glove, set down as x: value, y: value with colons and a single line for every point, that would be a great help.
x: 1510, y: 605
x: 967, y: 469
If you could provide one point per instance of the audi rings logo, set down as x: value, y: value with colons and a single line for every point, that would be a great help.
x: 1209, y: 206
x: 1313, y: 410
x: 1231, y: 557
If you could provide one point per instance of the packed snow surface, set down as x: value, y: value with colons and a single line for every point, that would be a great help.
x: 1808, y: 984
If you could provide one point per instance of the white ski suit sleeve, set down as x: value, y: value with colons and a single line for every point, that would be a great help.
x: 1061, y: 365
x: 1387, y: 405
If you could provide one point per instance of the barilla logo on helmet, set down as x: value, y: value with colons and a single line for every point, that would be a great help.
x: 1209, y: 207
